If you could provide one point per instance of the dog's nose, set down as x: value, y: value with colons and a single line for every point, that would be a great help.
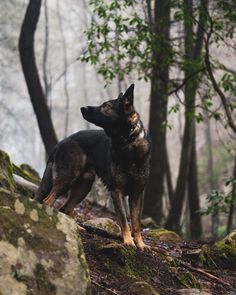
x: 83, y: 109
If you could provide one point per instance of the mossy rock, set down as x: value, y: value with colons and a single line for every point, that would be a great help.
x: 221, y: 254
x: 27, y: 172
x: 40, y: 250
x: 226, y: 250
x: 23, y: 180
x: 6, y: 172
x: 142, y: 288
x: 149, y: 222
x: 105, y: 224
x: 126, y: 260
x: 164, y: 235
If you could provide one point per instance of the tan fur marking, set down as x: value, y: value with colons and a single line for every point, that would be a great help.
x: 133, y: 117
x: 127, y: 238
x: 49, y: 201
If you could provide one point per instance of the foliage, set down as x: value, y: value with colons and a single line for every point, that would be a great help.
x: 121, y: 40
x: 220, y: 201
x: 118, y: 40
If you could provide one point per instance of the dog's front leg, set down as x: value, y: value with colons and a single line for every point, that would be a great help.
x: 118, y: 200
x: 136, y: 206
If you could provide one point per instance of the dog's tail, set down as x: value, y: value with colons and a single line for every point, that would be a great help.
x: 45, y: 185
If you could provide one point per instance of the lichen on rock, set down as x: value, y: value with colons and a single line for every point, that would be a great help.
x: 164, y: 235
x: 6, y: 172
x: 39, y: 253
x: 104, y: 223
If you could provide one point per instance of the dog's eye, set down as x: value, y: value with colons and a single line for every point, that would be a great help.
x: 106, y: 106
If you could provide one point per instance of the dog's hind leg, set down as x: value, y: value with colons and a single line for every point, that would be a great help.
x: 79, y: 191
x: 118, y: 200
x: 68, y: 166
x: 45, y: 185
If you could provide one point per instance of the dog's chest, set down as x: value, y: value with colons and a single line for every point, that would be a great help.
x: 131, y: 177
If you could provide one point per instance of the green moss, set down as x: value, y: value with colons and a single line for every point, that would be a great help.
x: 127, y: 260
x: 227, y: 253
x: 188, y: 280
x: 24, y: 191
x: 11, y: 224
x: 45, y: 286
x: 27, y: 172
x: 164, y: 235
x: 206, y: 258
x: 6, y: 172
x: 82, y: 259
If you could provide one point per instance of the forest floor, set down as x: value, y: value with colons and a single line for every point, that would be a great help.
x: 169, y: 268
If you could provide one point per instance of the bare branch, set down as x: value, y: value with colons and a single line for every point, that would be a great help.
x: 180, y: 86
x: 213, y: 80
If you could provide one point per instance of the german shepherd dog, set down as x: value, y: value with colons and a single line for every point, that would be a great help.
x: 119, y: 155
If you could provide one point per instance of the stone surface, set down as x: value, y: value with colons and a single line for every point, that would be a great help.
x: 164, y: 235
x: 40, y: 250
x: 104, y: 223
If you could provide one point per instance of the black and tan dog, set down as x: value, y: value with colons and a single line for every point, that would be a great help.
x: 119, y: 155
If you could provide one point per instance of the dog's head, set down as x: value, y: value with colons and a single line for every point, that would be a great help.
x: 113, y: 115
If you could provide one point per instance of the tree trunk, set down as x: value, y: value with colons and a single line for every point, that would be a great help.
x: 232, y: 205
x: 210, y: 175
x: 65, y: 60
x: 26, y: 49
x: 158, y: 110
x: 169, y: 179
x: 192, y: 59
x: 45, y: 52
x: 193, y: 193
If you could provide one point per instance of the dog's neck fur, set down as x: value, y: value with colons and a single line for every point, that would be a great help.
x: 135, y: 131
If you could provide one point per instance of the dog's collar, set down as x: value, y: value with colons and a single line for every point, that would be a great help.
x: 134, y: 133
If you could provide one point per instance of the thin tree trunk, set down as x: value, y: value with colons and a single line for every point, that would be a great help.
x: 193, y: 193
x: 158, y: 111
x: 27, y: 57
x: 169, y: 179
x: 45, y: 51
x: 65, y: 60
x: 209, y: 169
x: 192, y: 54
x: 232, y: 206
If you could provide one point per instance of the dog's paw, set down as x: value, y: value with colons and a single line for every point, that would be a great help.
x: 141, y: 245
x: 129, y: 243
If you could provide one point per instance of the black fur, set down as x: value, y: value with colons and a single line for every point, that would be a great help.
x: 119, y: 154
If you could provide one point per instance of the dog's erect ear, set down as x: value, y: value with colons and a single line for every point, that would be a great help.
x: 127, y: 100
x: 120, y: 95
x: 129, y: 94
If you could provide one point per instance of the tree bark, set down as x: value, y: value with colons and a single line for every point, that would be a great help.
x: 193, y: 192
x: 232, y: 205
x: 27, y: 57
x: 158, y: 110
x: 169, y: 179
x: 192, y: 54
x: 65, y: 60
x: 210, y: 174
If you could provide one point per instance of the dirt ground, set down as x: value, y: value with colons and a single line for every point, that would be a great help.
x: 169, y: 268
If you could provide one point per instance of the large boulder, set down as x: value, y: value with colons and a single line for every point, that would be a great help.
x: 40, y: 249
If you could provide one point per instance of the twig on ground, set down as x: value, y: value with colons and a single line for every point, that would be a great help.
x: 187, y: 265
x: 103, y: 287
